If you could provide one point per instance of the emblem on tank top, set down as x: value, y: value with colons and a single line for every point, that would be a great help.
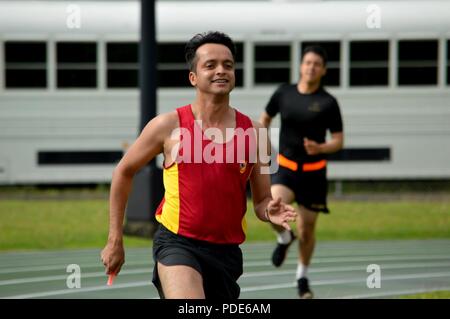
x: 242, y: 167
x: 314, y: 107
x: 318, y: 206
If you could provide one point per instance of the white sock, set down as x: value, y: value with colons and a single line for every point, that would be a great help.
x: 301, y: 271
x: 284, y: 237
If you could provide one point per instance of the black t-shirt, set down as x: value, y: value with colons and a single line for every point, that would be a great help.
x: 303, y: 115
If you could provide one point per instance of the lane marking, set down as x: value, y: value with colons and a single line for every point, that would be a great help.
x: 243, y: 289
x: 343, y: 281
x: 376, y: 259
x: 80, y: 290
x: 245, y: 275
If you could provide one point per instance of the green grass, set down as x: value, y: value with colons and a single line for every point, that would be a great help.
x: 49, y: 224
x: 397, y: 187
x: 375, y: 220
x: 429, y: 295
x: 53, y: 224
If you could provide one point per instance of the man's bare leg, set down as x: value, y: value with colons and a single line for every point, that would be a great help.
x: 284, y: 237
x: 180, y: 282
x: 306, y: 225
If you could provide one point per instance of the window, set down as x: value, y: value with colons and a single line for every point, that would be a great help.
x: 76, y: 64
x: 333, y: 49
x: 25, y: 64
x: 272, y: 64
x: 361, y: 154
x: 78, y: 157
x: 369, y: 63
x: 417, y: 62
x: 239, y: 66
x: 448, y: 61
x: 173, y: 70
x: 122, y: 65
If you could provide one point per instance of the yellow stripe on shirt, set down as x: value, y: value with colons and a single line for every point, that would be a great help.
x: 170, y: 216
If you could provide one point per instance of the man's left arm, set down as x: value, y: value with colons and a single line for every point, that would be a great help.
x: 266, y: 208
x: 331, y: 146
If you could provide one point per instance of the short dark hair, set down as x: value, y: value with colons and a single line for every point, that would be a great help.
x: 202, y: 38
x: 317, y: 49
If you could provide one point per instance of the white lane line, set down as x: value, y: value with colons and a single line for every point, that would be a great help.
x: 344, y: 281
x: 80, y: 290
x: 267, y: 256
x: 317, y: 260
x: 58, y: 253
x: 37, y: 259
x: 346, y: 268
x: 245, y: 275
x: 248, y: 249
x: 6, y: 267
x: 64, y: 277
x: 374, y: 259
x: 63, y: 266
x: 244, y: 289
x: 344, y: 244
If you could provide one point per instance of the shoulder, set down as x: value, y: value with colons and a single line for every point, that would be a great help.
x: 324, y: 92
x: 283, y: 88
x: 286, y: 87
x: 242, y: 120
x: 331, y: 99
x: 167, y: 119
x: 283, y: 93
x: 164, y: 123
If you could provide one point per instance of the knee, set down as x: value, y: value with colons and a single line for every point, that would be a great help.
x: 306, y: 234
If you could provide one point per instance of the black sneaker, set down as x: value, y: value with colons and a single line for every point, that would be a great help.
x: 303, y: 289
x: 280, y: 252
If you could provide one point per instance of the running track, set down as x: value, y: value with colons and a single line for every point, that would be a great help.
x: 339, y: 270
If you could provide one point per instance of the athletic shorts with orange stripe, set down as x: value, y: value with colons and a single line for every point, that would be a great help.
x: 308, y: 181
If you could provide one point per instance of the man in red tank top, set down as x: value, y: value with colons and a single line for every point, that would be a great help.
x: 210, y: 153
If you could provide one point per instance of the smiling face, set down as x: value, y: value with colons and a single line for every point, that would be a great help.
x: 312, y: 68
x: 214, y: 69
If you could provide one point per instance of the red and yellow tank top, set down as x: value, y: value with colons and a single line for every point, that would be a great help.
x: 205, y: 199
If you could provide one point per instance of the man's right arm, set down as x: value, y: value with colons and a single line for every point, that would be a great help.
x: 265, y: 119
x: 149, y: 144
x: 272, y: 107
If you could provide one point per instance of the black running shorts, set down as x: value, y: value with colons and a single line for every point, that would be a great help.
x: 310, y: 188
x: 220, y: 265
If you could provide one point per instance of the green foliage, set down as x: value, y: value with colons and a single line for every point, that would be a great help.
x: 429, y: 295
x: 367, y: 220
x: 50, y: 224
x: 60, y: 224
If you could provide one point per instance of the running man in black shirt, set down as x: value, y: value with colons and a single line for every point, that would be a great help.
x: 307, y: 111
